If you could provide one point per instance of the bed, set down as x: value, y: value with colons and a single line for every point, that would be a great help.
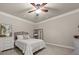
x: 28, y: 45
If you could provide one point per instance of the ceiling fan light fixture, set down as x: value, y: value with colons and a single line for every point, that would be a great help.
x: 38, y: 11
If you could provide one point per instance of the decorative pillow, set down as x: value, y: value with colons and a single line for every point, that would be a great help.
x: 20, y: 37
x: 26, y: 37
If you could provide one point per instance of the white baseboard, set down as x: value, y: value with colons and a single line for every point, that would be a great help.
x: 69, y: 47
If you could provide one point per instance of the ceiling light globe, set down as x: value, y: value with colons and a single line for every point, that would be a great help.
x: 38, y: 11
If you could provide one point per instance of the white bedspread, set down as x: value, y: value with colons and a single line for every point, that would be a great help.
x: 30, y: 46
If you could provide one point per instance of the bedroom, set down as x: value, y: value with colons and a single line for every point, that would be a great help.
x: 55, y: 25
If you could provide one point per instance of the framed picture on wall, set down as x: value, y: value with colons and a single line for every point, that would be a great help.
x: 5, y: 30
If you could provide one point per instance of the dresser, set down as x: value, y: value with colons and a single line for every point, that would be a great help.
x: 6, y: 43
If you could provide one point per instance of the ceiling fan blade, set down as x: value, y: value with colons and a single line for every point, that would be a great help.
x: 33, y: 4
x: 44, y: 10
x: 43, y: 4
x: 23, y: 11
x: 49, y: 8
x: 31, y: 11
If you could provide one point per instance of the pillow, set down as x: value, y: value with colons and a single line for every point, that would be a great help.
x: 20, y: 37
x: 26, y: 37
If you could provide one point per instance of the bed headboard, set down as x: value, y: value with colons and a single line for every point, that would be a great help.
x: 19, y: 33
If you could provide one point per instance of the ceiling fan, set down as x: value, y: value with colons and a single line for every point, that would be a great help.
x: 38, y: 7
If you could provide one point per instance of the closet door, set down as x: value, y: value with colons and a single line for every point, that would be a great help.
x: 38, y: 33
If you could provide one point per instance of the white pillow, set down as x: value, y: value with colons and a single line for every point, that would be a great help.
x: 20, y: 37
x: 26, y: 37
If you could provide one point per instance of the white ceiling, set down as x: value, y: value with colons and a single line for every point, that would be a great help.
x: 21, y: 10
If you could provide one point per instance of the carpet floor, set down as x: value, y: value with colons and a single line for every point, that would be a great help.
x: 49, y: 50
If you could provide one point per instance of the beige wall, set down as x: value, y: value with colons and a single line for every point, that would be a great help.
x: 61, y: 29
x: 17, y: 23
